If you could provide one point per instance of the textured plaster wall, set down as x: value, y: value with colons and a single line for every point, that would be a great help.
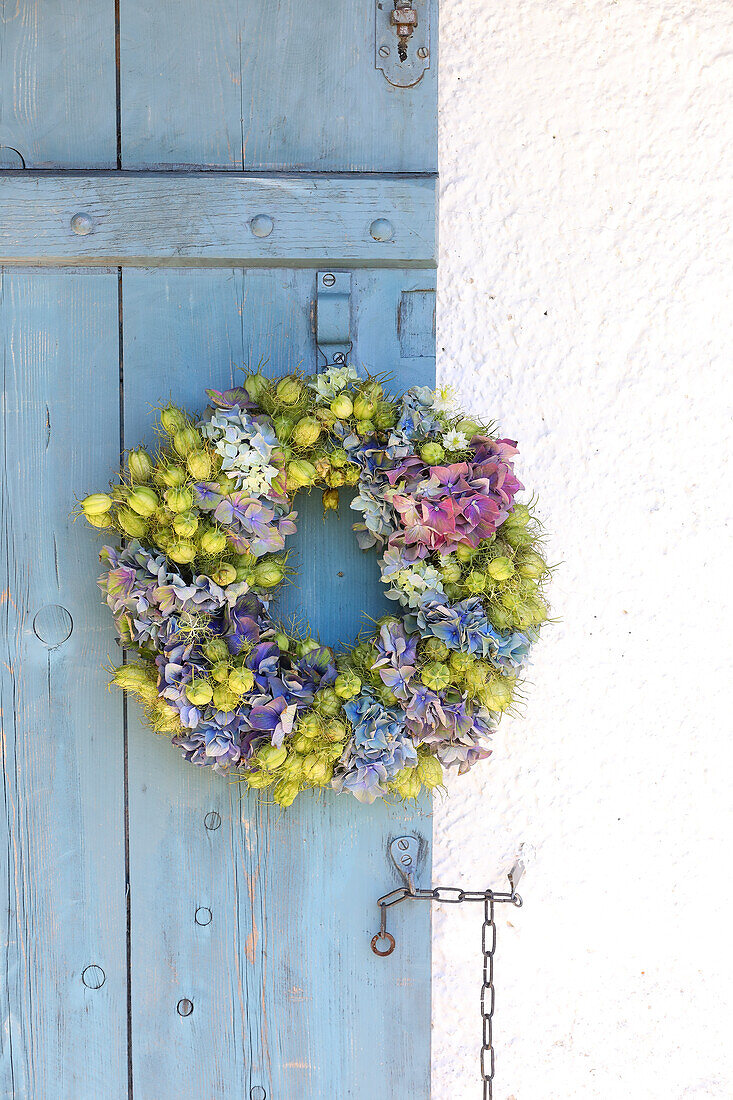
x: 585, y: 303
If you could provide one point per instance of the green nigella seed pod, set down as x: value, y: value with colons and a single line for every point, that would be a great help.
x: 199, y: 692
x: 96, y: 503
x: 185, y: 524
x: 179, y: 500
x: 182, y: 551
x: 326, y: 417
x: 225, y: 574
x: 365, y: 427
x: 212, y: 541
x: 310, y: 725
x: 283, y: 427
x: 163, y: 538
x: 172, y: 476
x: 364, y: 408
x: 216, y: 650
x: 432, y: 453
x: 143, y: 500
x: 500, y: 569
x: 282, y: 641
x: 406, y: 783
x: 315, y: 769
x: 453, y: 591
x: 172, y: 419
x: 460, y: 662
x: 186, y: 441
x: 300, y: 473
x: 465, y: 554
x: 131, y: 523
x: 435, y: 675
x: 293, y: 766
x: 342, y: 406
x: 259, y: 780
x: 164, y: 718
x: 499, y: 617
x: 451, y: 572
x: 531, y: 565
x: 470, y: 428
x: 272, y: 758
x: 347, y: 685
x: 336, y: 731
x: 386, y: 696
x: 138, y: 679
x: 226, y: 484
x: 518, y: 517
x: 429, y: 771
x: 285, y: 792
x: 351, y: 475
x: 372, y: 390
x: 498, y: 694
x: 475, y: 582
x: 306, y: 432
x: 255, y: 384
x: 140, y: 466
x: 268, y: 574
x: 385, y: 416
x: 434, y: 649
x: 305, y: 645
x: 220, y: 671
x: 338, y: 458
x: 336, y: 478
x: 327, y: 702
x: 241, y: 680
x: 199, y: 465
x: 100, y: 519
x: 301, y: 743
x: 224, y: 699
x: 330, y: 499
x: 289, y: 391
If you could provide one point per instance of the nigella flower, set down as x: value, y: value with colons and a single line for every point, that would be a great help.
x: 381, y: 747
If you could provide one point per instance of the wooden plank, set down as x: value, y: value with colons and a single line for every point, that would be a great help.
x: 57, y: 83
x: 287, y: 995
x: 208, y: 219
x: 283, y: 85
x: 62, y: 861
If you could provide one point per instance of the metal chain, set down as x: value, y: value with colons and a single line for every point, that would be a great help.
x: 453, y: 895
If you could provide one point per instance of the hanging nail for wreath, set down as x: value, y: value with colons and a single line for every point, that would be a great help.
x: 193, y: 587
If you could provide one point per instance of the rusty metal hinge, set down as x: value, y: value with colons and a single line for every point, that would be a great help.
x: 402, y: 40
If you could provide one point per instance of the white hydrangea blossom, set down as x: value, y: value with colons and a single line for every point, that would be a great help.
x: 410, y: 585
x: 332, y: 381
x: 244, y: 449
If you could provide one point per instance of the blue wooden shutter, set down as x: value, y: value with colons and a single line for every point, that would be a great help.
x: 166, y: 934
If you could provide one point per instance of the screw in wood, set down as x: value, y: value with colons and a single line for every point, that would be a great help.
x: 93, y: 976
x: 212, y: 820
x: 384, y: 51
x: 184, y: 1007
x: 423, y: 52
x: 329, y: 279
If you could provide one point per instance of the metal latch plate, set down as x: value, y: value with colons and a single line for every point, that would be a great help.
x: 402, y: 44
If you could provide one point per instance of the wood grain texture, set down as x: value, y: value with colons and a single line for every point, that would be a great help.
x: 205, y: 219
x: 286, y: 992
x: 57, y: 82
x: 62, y: 865
x: 283, y: 85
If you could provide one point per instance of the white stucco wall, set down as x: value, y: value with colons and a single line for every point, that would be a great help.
x: 585, y: 302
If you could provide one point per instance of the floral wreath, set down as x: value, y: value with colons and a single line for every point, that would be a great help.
x: 204, y: 523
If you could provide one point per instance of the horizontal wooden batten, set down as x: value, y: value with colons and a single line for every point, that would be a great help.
x: 211, y: 219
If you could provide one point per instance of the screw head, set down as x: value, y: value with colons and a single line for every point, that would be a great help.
x: 329, y: 279
x: 384, y: 51
x: 81, y: 224
x: 93, y: 976
x: 202, y: 915
x: 261, y: 225
x: 212, y: 820
x: 381, y: 229
x: 184, y: 1007
x: 423, y: 52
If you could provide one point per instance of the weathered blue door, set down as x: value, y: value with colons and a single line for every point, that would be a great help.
x: 176, y: 181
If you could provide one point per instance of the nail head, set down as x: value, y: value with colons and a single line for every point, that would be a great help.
x: 381, y: 229
x: 261, y: 225
x: 212, y: 820
x: 184, y: 1007
x: 81, y: 224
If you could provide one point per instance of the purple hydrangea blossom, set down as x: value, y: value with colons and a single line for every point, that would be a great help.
x: 381, y: 747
